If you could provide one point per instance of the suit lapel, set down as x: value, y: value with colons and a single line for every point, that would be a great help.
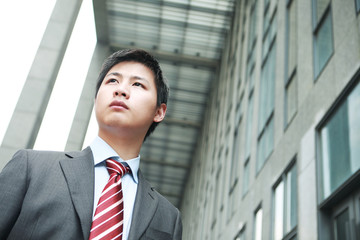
x: 144, y: 208
x: 78, y: 169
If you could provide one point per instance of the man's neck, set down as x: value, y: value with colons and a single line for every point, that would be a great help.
x: 126, y: 147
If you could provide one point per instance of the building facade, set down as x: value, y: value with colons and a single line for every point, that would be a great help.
x: 278, y: 157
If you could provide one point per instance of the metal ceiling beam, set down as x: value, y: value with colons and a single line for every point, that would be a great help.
x: 164, y: 163
x: 151, y: 19
x: 156, y: 179
x: 181, y: 122
x: 174, y: 57
x: 187, y: 6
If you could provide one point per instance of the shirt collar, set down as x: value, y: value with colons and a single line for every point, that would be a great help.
x: 102, y: 151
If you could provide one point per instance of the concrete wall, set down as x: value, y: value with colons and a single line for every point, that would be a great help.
x: 315, y: 97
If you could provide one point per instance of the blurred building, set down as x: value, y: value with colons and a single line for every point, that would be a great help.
x: 279, y: 151
x: 262, y: 134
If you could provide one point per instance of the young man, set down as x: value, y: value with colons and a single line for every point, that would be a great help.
x: 80, y: 195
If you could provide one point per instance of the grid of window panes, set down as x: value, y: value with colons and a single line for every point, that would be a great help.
x: 267, y: 88
x: 285, y: 204
x: 340, y: 141
x: 235, y: 158
x: 241, y: 47
x: 323, y: 35
x: 291, y: 61
x: 250, y: 72
x: 216, y: 200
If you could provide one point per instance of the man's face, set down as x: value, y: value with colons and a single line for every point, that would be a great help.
x: 127, y: 98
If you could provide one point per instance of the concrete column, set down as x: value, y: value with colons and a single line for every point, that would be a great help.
x: 83, y: 112
x: 27, y: 117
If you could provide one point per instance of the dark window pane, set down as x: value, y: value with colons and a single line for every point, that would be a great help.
x: 323, y: 44
x: 342, y: 227
x: 340, y: 140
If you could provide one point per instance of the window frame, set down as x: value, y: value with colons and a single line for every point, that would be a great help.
x: 234, y: 177
x: 289, y: 75
x: 246, y: 166
x: 241, y: 233
x: 290, y: 233
x: 259, y: 207
x: 317, y: 26
x: 269, y: 119
x: 346, y: 188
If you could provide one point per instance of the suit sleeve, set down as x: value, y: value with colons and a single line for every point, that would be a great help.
x: 178, y: 228
x: 13, y: 185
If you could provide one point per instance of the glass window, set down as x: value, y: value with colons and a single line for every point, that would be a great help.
x: 216, y: 198
x: 251, y: 47
x: 291, y: 62
x: 357, y: 5
x: 323, y: 44
x: 345, y: 218
x: 291, y: 200
x: 320, y: 6
x: 249, y: 121
x: 291, y: 98
x: 236, y: 146
x: 245, y: 187
x: 258, y: 224
x: 267, y: 89
x: 238, y: 115
x: 252, y: 28
x: 279, y: 211
x: 291, y: 37
x: 285, y: 204
x: 342, y: 224
x: 265, y: 145
x: 240, y: 235
x: 340, y: 141
x: 235, y: 158
x: 266, y: 119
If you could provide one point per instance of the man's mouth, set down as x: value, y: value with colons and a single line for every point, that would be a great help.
x: 118, y: 104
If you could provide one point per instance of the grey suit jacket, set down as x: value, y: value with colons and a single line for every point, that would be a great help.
x: 49, y: 195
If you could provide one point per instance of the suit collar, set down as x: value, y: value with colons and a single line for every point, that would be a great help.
x: 146, y: 203
x: 78, y: 168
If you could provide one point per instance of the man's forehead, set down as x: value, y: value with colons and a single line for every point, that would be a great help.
x: 137, y: 75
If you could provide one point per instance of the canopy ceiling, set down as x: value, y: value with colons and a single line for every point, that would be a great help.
x: 187, y: 37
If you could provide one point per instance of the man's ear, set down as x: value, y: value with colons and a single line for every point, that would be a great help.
x: 160, y: 113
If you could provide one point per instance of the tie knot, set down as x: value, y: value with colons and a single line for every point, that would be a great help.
x: 115, y: 167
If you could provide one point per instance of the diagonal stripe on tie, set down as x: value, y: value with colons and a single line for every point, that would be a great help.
x: 109, y: 214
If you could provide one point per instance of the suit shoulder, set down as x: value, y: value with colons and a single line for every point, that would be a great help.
x: 165, y: 202
x: 38, y: 154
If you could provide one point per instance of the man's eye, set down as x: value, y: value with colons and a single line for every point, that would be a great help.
x: 112, y: 80
x: 137, y: 84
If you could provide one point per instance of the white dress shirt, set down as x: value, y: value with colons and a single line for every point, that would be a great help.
x: 102, y: 151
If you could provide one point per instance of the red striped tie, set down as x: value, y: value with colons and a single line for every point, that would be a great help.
x: 109, y: 215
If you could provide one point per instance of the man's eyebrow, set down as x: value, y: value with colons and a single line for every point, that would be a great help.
x: 139, y: 78
x: 115, y: 74
x: 135, y: 77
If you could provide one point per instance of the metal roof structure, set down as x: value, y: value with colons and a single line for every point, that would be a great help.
x: 187, y: 37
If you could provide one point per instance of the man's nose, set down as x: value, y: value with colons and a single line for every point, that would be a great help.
x: 122, y: 90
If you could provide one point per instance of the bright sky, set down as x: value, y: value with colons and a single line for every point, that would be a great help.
x: 22, y: 25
